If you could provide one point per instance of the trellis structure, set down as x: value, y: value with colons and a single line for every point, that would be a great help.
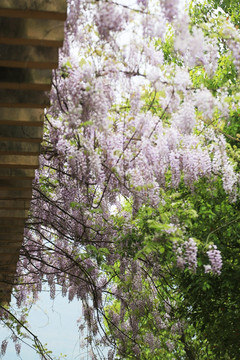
x: 31, y: 33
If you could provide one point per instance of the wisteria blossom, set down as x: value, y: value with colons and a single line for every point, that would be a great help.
x: 4, y: 347
x: 215, y: 259
x: 132, y: 119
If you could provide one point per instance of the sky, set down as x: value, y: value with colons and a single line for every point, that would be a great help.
x: 54, y: 323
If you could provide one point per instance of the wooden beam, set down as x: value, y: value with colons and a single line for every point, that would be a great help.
x: 25, y: 96
x: 15, y: 194
x: 9, y: 173
x: 38, y: 57
x: 14, y: 204
x: 23, y: 75
x: 12, y: 214
x: 21, y: 133
x: 24, y: 86
x: 22, y: 115
x: 11, y: 236
x: 39, y: 5
x: 31, y: 162
x: 32, y: 14
x: 19, y: 148
x: 49, y: 32
x: 15, y: 184
x: 29, y: 64
x: 31, y: 33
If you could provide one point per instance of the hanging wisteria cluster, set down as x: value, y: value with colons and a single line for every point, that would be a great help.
x: 126, y: 122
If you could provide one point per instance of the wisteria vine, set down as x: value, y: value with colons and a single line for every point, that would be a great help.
x: 128, y: 121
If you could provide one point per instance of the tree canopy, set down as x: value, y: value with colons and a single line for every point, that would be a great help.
x: 135, y: 207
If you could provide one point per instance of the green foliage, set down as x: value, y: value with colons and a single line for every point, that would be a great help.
x: 167, y: 46
x: 225, y: 75
x: 231, y: 7
x: 213, y: 301
x: 206, y: 304
x: 200, y: 12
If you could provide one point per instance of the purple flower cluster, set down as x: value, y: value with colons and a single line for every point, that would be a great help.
x: 170, y: 8
x: 234, y: 46
x: 144, y: 3
x: 191, y: 254
x: 18, y: 348
x: 186, y: 254
x: 4, y: 347
x: 185, y: 118
x: 215, y: 259
x: 109, y: 18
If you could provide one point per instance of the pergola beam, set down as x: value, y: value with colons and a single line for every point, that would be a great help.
x: 31, y: 34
